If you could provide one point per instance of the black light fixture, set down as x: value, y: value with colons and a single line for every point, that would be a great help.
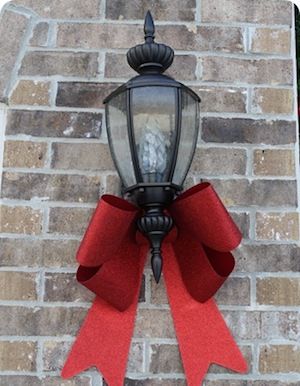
x: 152, y: 124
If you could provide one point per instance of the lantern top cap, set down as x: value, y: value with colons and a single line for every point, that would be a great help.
x: 150, y: 57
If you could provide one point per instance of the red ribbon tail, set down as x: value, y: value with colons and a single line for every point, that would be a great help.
x: 201, y: 331
x: 104, y: 339
x: 103, y: 342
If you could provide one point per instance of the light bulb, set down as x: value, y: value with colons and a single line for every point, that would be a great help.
x: 153, y: 152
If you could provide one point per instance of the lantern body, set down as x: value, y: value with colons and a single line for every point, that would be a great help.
x: 152, y: 126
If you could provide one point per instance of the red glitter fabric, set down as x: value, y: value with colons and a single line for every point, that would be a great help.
x: 197, y: 261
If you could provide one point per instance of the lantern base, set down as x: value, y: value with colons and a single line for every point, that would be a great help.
x: 154, y: 224
x: 144, y: 193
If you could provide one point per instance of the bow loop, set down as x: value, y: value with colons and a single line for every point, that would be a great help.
x: 105, y: 258
x: 207, y: 234
x: 202, y: 214
x: 113, y: 216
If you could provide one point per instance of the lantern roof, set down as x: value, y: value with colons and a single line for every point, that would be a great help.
x: 151, y: 80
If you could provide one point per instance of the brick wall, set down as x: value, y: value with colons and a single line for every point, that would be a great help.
x: 58, y: 60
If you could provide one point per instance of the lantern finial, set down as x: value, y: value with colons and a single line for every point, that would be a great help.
x: 149, y: 28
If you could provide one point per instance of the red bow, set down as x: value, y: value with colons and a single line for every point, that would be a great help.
x: 197, y: 261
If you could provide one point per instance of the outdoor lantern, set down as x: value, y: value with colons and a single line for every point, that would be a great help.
x: 152, y: 124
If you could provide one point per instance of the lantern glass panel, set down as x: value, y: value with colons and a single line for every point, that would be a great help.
x: 154, y: 127
x: 188, y: 136
x: 116, y: 120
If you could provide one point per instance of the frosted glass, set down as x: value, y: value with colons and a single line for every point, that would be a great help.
x: 117, y: 134
x: 188, y: 136
x: 154, y: 127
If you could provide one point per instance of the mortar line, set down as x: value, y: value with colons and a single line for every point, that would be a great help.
x: 222, y: 376
x: 48, y: 157
x: 42, y: 304
x: 103, y: 139
x: 40, y: 204
x: 51, y: 32
x: 51, y: 140
x: 70, y: 339
x: 201, y: 53
x: 102, y: 10
x: 148, y: 290
x: 39, y: 358
x: 55, y: 108
x: 147, y: 355
x: 225, y: 115
x: 73, y: 270
x: 253, y: 303
x: 249, y: 162
x: 282, y: 274
x: 240, y: 115
x: 21, y: 10
x: 51, y: 171
x: 36, y: 270
x: 246, y: 38
x: 188, y: 24
x: 45, y: 223
x: 249, y: 100
x: 23, y: 47
x: 255, y: 360
x: 3, y: 114
x: 199, y: 69
x: 204, y: 114
x: 195, y: 83
x: 97, y: 173
x: 252, y: 227
x: 284, y: 377
x: 54, y: 237
x: 101, y: 66
x: 54, y: 35
x: 198, y: 13
x: 268, y: 242
x: 96, y: 379
x: 40, y: 284
x: 53, y: 94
